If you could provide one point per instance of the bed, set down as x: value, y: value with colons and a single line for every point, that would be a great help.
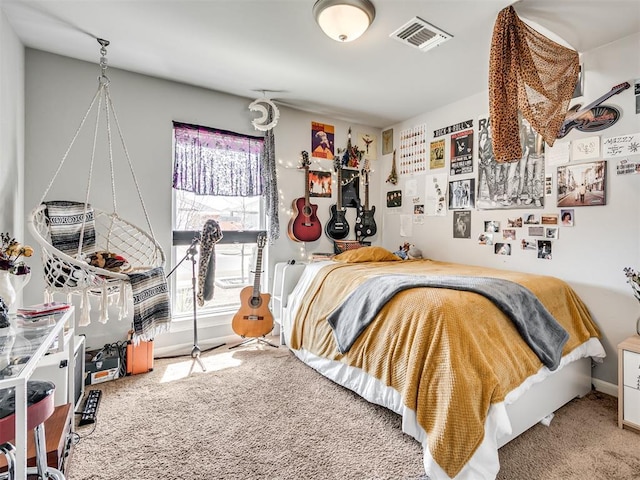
x: 455, y: 364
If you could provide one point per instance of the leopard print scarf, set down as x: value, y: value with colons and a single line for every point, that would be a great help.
x: 211, y: 234
x: 530, y: 73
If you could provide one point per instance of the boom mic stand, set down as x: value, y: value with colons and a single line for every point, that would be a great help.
x: 191, y: 255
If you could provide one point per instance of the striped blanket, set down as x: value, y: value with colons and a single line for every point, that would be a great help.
x: 151, y: 306
x: 66, y: 221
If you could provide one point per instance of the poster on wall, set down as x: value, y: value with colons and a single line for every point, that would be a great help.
x: 368, y: 144
x: 322, y: 140
x: 461, y: 194
x: 515, y: 184
x: 413, y: 150
x: 582, y: 185
x: 462, y: 224
x: 621, y: 146
x: 387, y: 141
x: 436, y: 154
x: 319, y: 184
x: 436, y: 195
x: 461, y: 152
x: 394, y: 198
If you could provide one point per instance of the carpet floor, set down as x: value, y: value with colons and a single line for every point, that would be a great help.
x: 259, y: 413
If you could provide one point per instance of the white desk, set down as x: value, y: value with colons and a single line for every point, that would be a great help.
x: 31, y: 340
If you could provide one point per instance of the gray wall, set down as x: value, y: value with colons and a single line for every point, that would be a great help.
x: 58, y: 94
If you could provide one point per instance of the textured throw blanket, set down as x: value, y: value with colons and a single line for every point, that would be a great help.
x: 151, y: 306
x: 211, y: 234
x: 450, y: 354
x: 66, y: 220
x: 538, y: 328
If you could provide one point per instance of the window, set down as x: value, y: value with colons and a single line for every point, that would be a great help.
x: 217, y: 175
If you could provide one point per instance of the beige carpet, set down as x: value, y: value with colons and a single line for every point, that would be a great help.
x: 259, y: 413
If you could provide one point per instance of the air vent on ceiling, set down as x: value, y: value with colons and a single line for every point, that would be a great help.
x: 420, y: 34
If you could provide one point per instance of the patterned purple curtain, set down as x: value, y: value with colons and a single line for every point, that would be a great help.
x: 216, y: 162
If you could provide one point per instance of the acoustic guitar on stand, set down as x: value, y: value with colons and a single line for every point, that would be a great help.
x: 305, y: 226
x: 365, y: 221
x: 577, y: 117
x: 337, y: 227
x: 254, y: 319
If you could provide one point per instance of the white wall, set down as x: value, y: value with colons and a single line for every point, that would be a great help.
x: 58, y: 94
x: 11, y: 131
x: 591, y: 255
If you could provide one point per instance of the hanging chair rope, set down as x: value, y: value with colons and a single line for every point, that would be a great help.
x: 135, y: 251
x: 102, y: 95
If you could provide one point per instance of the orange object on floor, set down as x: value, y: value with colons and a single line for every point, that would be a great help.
x: 139, y: 357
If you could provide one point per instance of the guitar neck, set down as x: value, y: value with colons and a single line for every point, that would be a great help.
x: 306, y: 186
x: 609, y: 94
x: 339, y: 202
x: 366, y: 192
x: 256, y: 277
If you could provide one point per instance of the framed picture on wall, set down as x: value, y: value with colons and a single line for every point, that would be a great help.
x: 582, y: 185
x: 350, y: 188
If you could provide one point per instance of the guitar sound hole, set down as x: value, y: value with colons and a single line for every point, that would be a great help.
x: 255, y: 302
x: 306, y: 211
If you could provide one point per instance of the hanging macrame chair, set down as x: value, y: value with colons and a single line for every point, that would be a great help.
x: 82, y: 269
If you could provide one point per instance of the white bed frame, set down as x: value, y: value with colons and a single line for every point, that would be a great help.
x: 536, y: 404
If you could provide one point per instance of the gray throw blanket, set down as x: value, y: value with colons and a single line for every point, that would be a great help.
x: 151, y: 307
x: 544, y: 335
x: 66, y: 219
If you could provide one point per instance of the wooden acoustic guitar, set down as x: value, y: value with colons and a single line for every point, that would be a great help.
x: 337, y: 227
x: 577, y: 117
x: 254, y: 319
x: 304, y: 226
x: 365, y: 221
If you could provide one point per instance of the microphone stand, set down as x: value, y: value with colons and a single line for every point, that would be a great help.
x: 191, y: 254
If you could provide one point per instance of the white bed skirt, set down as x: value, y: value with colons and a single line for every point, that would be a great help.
x: 523, y: 407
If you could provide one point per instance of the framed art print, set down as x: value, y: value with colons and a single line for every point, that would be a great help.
x: 582, y: 185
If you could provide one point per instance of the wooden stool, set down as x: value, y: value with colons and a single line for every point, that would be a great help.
x: 40, y: 406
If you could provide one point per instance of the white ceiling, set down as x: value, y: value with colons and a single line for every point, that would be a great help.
x: 243, y: 47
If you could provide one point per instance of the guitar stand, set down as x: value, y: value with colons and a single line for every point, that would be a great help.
x: 256, y: 339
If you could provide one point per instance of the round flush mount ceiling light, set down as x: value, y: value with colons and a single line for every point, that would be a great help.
x: 344, y: 20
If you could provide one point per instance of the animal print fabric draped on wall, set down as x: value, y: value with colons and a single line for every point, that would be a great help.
x: 528, y: 73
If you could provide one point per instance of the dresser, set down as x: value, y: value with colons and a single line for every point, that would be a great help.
x: 629, y: 383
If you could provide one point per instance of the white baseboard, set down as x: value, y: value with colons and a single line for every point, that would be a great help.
x: 605, y: 387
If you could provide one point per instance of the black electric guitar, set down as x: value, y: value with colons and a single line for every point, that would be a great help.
x: 365, y: 222
x: 577, y: 117
x: 254, y: 319
x: 337, y: 227
x: 304, y: 226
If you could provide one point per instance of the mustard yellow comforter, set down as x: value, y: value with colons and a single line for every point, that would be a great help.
x: 449, y: 353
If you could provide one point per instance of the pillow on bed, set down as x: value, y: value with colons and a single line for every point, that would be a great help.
x: 366, y: 254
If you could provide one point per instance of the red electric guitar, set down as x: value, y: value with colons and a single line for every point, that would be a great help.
x: 305, y: 226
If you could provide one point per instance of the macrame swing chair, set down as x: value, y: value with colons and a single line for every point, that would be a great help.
x: 87, y: 251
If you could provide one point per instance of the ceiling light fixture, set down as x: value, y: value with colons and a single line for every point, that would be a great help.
x: 344, y: 20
